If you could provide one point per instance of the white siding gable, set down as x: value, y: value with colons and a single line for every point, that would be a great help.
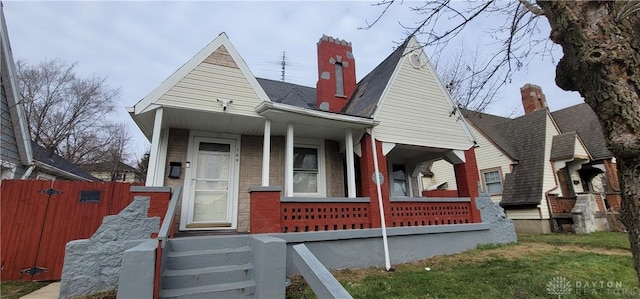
x: 549, y: 178
x: 416, y: 109
x: 216, y: 72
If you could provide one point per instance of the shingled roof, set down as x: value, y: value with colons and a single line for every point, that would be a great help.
x: 485, y: 123
x: 563, y: 146
x: 523, y: 186
x: 59, y: 165
x: 365, y: 98
x: 289, y: 93
x: 583, y: 120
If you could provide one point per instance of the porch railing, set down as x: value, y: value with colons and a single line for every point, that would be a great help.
x: 165, y: 233
x: 310, y: 214
x: 271, y: 213
x: 430, y: 211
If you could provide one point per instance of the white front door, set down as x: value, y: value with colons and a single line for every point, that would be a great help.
x: 212, y: 188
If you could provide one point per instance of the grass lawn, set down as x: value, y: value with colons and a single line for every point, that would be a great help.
x: 590, y: 266
x: 17, y: 289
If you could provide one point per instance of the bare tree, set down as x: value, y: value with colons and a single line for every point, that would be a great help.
x: 601, y: 61
x: 470, y: 87
x: 67, y: 113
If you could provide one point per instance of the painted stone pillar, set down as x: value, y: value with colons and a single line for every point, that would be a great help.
x: 467, y: 179
x: 368, y: 184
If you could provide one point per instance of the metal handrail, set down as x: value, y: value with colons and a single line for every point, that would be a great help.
x: 165, y: 228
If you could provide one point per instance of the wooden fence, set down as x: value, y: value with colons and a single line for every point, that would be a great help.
x: 40, y: 217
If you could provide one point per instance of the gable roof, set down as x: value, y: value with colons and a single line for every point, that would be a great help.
x: 147, y: 103
x: 51, y: 162
x: 563, y: 146
x: 581, y: 119
x: 8, y: 77
x: 526, y: 134
x: 485, y: 123
x: 369, y: 91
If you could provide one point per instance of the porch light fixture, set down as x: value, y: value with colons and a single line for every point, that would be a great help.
x: 224, y: 103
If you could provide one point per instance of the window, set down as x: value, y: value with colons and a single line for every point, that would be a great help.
x: 308, y: 168
x: 305, y: 170
x: 492, y: 181
x: 339, y: 80
x: 399, y: 187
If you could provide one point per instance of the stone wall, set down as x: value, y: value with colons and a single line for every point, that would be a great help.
x: 92, y: 265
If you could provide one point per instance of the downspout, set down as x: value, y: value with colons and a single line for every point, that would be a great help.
x: 385, y: 242
x: 546, y: 197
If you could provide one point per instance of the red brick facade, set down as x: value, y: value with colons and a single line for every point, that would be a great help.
x: 368, y: 186
x: 467, y: 179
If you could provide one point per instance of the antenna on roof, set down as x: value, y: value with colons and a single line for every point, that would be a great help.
x: 283, y: 63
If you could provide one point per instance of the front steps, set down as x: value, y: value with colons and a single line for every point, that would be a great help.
x: 208, y: 267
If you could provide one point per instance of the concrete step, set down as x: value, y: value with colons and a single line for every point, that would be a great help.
x: 180, y: 260
x: 243, y: 289
x: 208, y: 243
x: 177, y: 279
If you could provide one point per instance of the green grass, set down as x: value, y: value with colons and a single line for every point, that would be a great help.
x: 521, y: 270
x: 17, y: 289
x: 599, y: 239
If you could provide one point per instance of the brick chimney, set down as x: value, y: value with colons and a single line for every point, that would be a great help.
x: 532, y: 98
x: 336, y: 74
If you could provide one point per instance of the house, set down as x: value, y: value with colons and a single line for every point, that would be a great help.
x: 19, y: 156
x: 228, y: 137
x: 112, y: 172
x: 535, y: 165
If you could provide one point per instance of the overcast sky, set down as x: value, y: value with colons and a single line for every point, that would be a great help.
x: 137, y: 45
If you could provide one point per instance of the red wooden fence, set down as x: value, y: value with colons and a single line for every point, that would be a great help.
x: 40, y: 217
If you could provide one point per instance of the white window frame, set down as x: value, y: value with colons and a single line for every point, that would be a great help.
x: 484, y: 182
x: 317, y: 144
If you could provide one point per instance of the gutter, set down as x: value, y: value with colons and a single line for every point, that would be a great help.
x: 266, y: 106
x: 62, y: 172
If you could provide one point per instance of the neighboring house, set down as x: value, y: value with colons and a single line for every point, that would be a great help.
x: 112, y: 172
x: 535, y: 164
x: 19, y: 156
x: 230, y: 138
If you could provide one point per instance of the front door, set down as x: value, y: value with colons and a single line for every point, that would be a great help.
x: 212, y: 190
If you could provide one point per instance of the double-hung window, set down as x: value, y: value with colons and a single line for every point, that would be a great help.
x: 308, y: 170
x: 492, y: 181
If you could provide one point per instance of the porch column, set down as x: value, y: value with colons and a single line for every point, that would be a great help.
x: 351, y: 172
x: 154, y: 154
x: 467, y: 179
x: 266, y: 152
x: 288, y: 165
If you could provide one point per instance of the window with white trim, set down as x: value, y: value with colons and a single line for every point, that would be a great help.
x: 308, y: 169
x: 492, y: 181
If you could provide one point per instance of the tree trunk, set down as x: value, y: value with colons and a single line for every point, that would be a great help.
x: 601, y: 44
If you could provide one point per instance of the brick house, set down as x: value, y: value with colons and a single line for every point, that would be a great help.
x: 258, y: 155
x: 535, y: 165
